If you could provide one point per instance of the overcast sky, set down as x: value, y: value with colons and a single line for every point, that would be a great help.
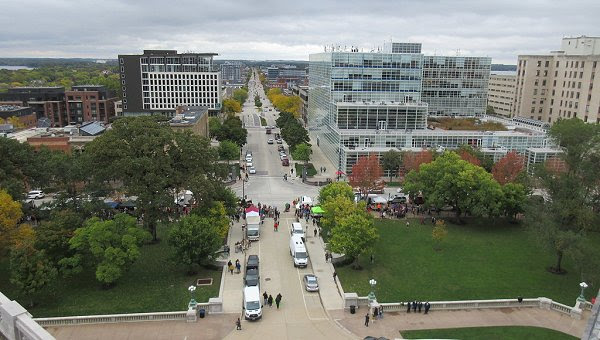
x: 265, y: 29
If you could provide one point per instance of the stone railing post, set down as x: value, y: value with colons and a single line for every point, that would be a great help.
x: 215, y: 305
x: 350, y: 299
x: 545, y: 303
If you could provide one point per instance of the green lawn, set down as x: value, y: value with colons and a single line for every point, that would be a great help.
x: 311, y: 171
x: 479, y: 260
x: 263, y: 121
x: 153, y: 284
x: 489, y: 333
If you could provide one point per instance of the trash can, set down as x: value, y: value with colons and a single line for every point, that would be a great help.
x: 352, y: 309
x: 201, y: 313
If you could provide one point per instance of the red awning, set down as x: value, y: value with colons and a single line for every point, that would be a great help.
x: 251, y: 208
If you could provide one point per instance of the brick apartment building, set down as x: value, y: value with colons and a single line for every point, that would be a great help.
x: 48, y: 102
x: 89, y: 103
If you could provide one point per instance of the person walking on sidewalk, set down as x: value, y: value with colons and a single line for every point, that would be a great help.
x: 238, y: 266
x: 315, y: 232
x: 427, y: 306
x: 266, y: 297
x: 270, y: 301
x: 335, y: 277
x: 278, y: 300
x: 367, y: 319
x: 238, y: 324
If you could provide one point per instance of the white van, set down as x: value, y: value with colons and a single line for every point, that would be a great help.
x: 298, y: 251
x: 252, y: 306
x: 297, y: 230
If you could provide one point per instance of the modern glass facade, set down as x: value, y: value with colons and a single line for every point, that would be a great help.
x: 456, y: 86
x: 368, y: 103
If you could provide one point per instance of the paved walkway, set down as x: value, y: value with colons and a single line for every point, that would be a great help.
x: 395, y: 322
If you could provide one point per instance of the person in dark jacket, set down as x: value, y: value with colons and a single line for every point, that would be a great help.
x: 367, y: 319
x: 420, y: 305
x: 278, y: 300
x: 238, y: 324
x: 270, y: 301
x: 266, y: 297
x: 427, y: 306
x: 414, y: 306
x: 408, y: 307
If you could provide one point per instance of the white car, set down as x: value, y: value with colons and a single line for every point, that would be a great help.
x: 249, y: 164
x: 252, y: 170
x: 270, y: 141
x: 35, y: 194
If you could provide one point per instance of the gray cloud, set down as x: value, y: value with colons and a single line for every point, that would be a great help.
x: 289, y: 30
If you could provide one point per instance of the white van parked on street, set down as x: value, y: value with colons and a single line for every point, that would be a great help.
x: 297, y: 230
x: 298, y: 251
x: 252, y: 306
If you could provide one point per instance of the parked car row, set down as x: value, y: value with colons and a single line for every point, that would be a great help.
x: 252, y: 302
x: 249, y: 163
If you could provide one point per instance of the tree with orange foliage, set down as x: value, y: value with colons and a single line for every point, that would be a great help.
x: 413, y: 160
x: 365, y: 173
x: 508, y: 168
x: 469, y: 157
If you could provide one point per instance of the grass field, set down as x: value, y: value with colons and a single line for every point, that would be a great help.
x: 479, y: 260
x: 153, y: 284
x: 263, y: 121
x: 311, y: 171
x: 489, y: 333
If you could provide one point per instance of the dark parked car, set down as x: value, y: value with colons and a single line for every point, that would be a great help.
x: 252, y: 277
x: 252, y: 262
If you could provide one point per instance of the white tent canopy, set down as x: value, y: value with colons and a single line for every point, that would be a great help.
x: 378, y: 199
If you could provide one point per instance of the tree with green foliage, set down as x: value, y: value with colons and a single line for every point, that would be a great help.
x: 228, y: 151
x: 152, y: 162
x: 490, y: 110
x: 391, y: 161
x: 53, y: 235
x: 294, y: 134
x: 240, y: 95
x: 284, y: 119
x: 337, y: 207
x: 195, y: 240
x: 68, y: 171
x: 302, y: 153
x: 476, y: 157
x: 30, y: 270
x: 20, y: 168
x: 110, y: 246
x: 353, y: 235
x: 334, y: 189
x: 514, y: 199
x: 562, y: 221
x: 232, y: 130
x: 451, y: 181
x: 257, y: 102
x: 214, y: 125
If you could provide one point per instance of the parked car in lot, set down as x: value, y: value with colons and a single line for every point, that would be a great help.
x: 252, y: 170
x: 270, y: 141
x: 311, y: 283
x: 285, y: 162
x: 35, y: 194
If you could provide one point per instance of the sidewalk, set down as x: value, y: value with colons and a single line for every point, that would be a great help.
x: 318, y: 159
x: 393, y: 323
x: 232, y: 288
x: 331, y: 292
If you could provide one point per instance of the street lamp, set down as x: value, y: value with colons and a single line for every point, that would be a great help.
x: 193, y: 302
x: 371, y: 295
x: 583, y: 286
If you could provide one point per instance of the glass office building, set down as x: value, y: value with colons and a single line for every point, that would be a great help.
x: 456, y: 86
x: 368, y: 103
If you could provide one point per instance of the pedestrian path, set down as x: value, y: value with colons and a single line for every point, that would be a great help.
x: 318, y: 159
x: 393, y: 323
x: 232, y: 287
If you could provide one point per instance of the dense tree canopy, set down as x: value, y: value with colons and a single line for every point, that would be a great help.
x: 240, y: 95
x: 365, y: 173
x: 232, y: 130
x: 391, y: 161
x: 334, y: 189
x: 231, y: 106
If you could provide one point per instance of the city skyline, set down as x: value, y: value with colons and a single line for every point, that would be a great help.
x: 291, y: 31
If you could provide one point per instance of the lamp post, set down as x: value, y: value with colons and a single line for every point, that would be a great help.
x: 583, y: 286
x: 371, y: 295
x: 193, y: 302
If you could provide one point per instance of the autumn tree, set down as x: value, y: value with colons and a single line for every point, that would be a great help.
x: 231, y: 106
x: 10, y: 216
x: 507, y: 169
x: 365, y: 173
x: 439, y: 233
x: 469, y: 157
x: 413, y: 160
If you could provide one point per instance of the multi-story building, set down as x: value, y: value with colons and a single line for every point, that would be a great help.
x: 456, y: 86
x: 119, y: 108
x: 158, y: 81
x: 48, y: 102
x: 501, y: 93
x: 231, y: 72
x: 194, y: 119
x: 302, y: 92
x: 24, y: 115
x: 369, y: 103
x: 90, y: 103
x: 562, y: 84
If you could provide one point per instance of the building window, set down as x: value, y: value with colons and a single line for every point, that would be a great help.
x: 121, y: 60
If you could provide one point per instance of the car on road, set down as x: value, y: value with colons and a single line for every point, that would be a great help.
x: 252, y: 170
x: 285, y: 162
x: 249, y: 164
x: 252, y: 306
x: 280, y: 148
x: 279, y: 141
x: 311, y: 283
x: 252, y: 262
x: 35, y: 195
x: 252, y: 278
x: 282, y: 156
x: 270, y: 141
